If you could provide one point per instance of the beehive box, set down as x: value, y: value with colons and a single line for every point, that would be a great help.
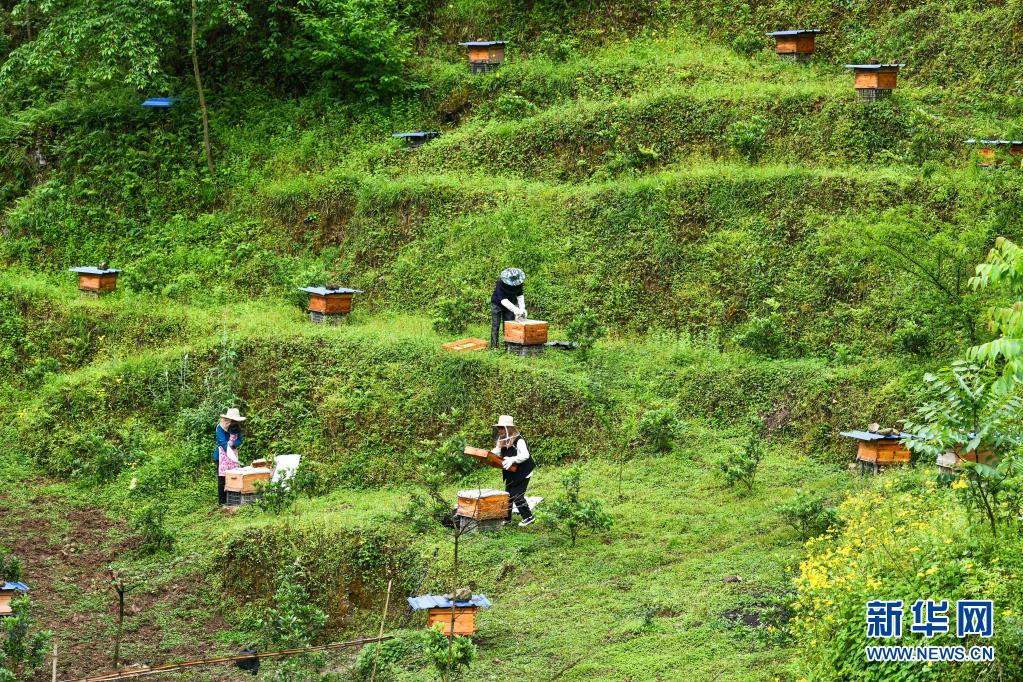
x: 330, y: 304
x: 950, y: 462
x: 483, y: 504
x: 244, y: 479
x: 875, y: 76
x: 796, y: 41
x: 96, y: 280
x: 465, y: 620
x: 882, y: 452
x: 526, y: 332
x: 485, y: 51
x: 463, y: 345
x: 7, y: 592
x: 992, y: 152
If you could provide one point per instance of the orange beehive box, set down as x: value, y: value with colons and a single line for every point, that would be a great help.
x: 244, y: 479
x: 796, y: 41
x: 465, y: 620
x: 875, y: 76
x: 7, y: 592
x: 952, y: 460
x: 483, y: 504
x: 880, y: 449
x: 330, y: 300
x: 526, y: 332
x: 96, y: 280
x: 485, y: 51
x: 988, y: 150
x: 463, y: 345
x: 438, y: 609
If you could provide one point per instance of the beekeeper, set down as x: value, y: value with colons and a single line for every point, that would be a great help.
x: 507, y: 302
x: 225, y: 454
x: 511, y: 446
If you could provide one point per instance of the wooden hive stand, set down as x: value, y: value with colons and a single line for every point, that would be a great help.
x: 438, y: 610
x: 796, y: 44
x: 485, y: 55
x: 874, y: 81
x: 8, y: 590
x: 525, y: 337
x: 877, y: 450
x: 994, y: 152
x: 329, y: 305
x: 94, y: 281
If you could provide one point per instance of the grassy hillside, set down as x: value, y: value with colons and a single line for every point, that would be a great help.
x: 767, y: 256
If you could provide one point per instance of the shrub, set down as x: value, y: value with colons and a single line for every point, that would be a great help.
x: 748, y: 138
x: 585, y: 330
x: 276, y: 497
x: 809, y: 514
x: 454, y: 313
x: 660, y: 428
x: 22, y: 647
x: 740, y: 466
x: 574, y: 514
x: 150, y: 525
x: 450, y: 656
x: 293, y: 621
x: 762, y: 335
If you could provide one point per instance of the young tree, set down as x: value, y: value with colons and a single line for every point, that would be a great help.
x: 965, y: 411
x: 740, y: 466
x: 573, y: 513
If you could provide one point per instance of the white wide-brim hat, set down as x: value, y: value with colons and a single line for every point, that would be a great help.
x: 234, y: 415
x: 505, y: 420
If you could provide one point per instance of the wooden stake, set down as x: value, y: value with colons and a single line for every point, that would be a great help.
x: 54, y: 678
x: 383, y: 618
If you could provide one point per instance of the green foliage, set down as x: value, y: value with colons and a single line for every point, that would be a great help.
x: 276, y: 497
x: 451, y: 657
x: 574, y: 514
x: 585, y: 330
x: 389, y: 657
x: 292, y: 620
x: 10, y: 566
x: 964, y: 410
x: 749, y: 138
x: 660, y: 428
x: 1003, y: 269
x: 22, y: 645
x: 454, y: 313
x: 739, y: 467
x: 763, y: 334
x: 150, y: 523
x: 809, y: 514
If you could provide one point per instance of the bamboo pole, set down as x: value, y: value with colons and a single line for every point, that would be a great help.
x: 383, y: 618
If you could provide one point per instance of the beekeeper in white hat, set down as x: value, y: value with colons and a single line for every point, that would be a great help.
x: 225, y: 454
x: 507, y: 302
x: 511, y: 446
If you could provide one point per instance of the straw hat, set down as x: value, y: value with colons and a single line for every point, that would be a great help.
x: 506, y: 420
x: 234, y: 415
x: 513, y: 277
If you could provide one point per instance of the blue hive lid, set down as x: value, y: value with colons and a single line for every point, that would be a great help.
x: 439, y: 601
x: 418, y: 134
x: 161, y: 102
x: 794, y: 32
x: 873, y: 67
x: 10, y: 587
x: 483, y: 43
x: 90, y: 270
x: 324, y: 291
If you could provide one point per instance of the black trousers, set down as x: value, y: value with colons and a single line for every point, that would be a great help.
x: 498, y: 315
x: 517, y: 497
x: 221, y: 495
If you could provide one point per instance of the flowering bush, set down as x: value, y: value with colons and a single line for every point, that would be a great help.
x: 906, y: 539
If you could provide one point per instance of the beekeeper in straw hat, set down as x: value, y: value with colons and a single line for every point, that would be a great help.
x: 225, y: 454
x: 511, y: 446
x: 507, y: 302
